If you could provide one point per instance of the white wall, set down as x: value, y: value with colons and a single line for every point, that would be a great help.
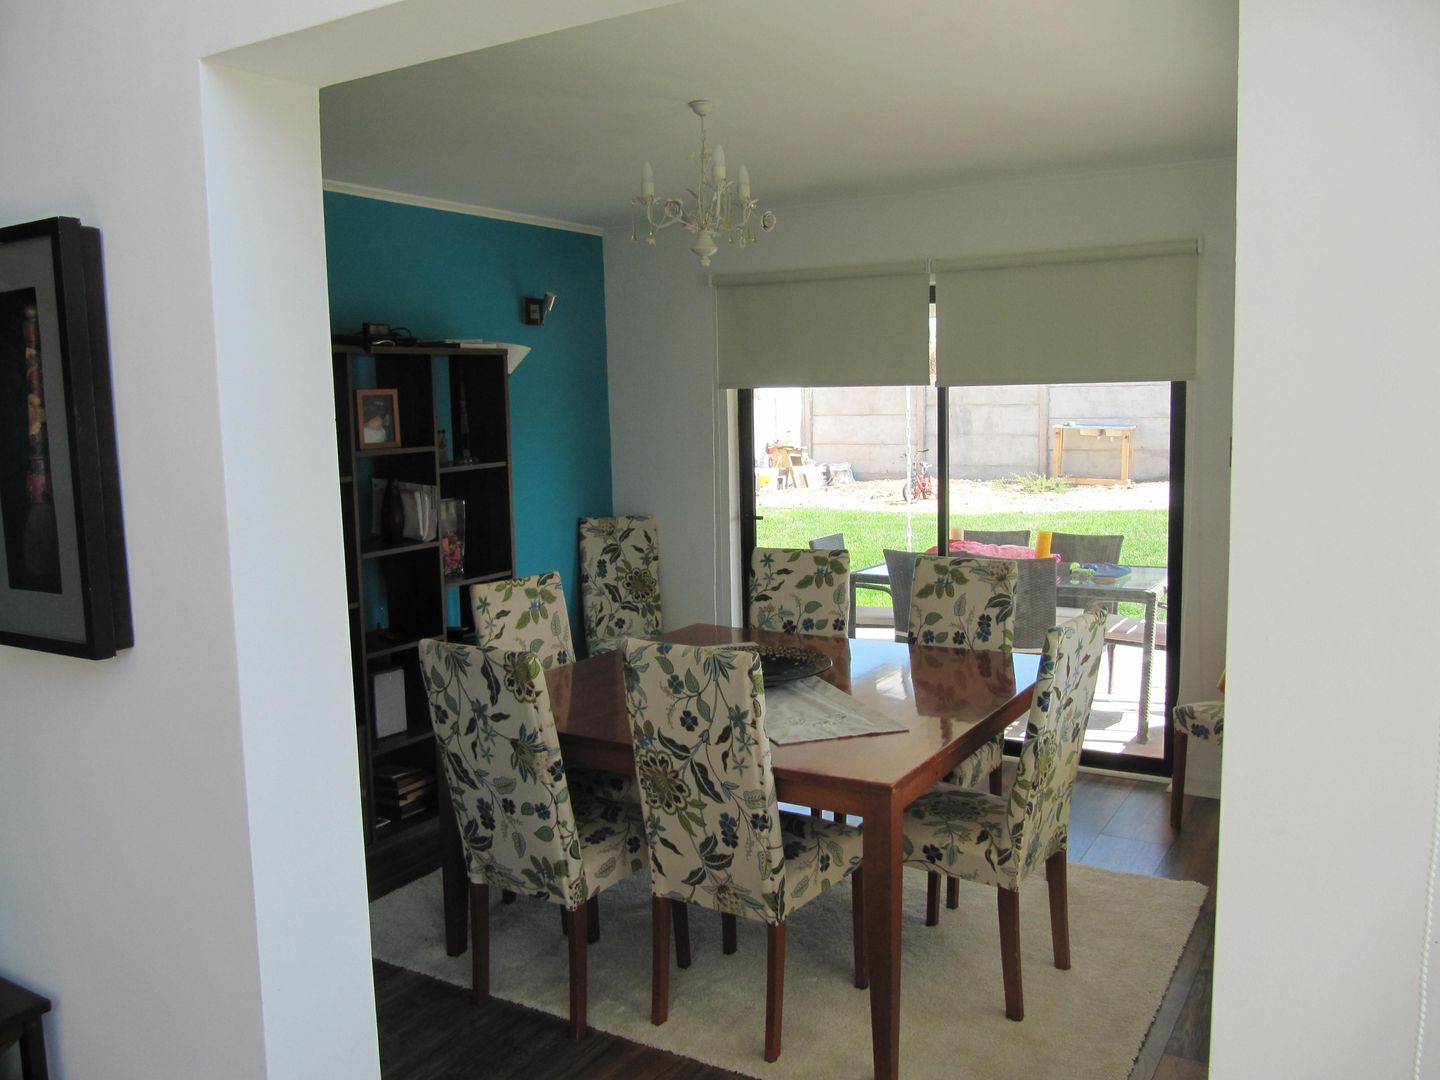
x: 180, y: 863
x: 1330, y: 762
x: 660, y: 321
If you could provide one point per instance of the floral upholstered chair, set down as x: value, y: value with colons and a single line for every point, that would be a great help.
x: 975, y: 836
x: 717, y: 836
x: 523, y: 615
x: 530, y: 615
x: 800, y: 590
x: 1204, y: 720
x: 521, y: 827
x: 965, y: 603
x: 619, y: 580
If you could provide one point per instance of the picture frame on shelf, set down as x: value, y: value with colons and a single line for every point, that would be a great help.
x: 64, y: 584
x: 378, y: 418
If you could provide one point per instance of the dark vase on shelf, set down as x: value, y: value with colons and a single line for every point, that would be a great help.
x: 392, y: 515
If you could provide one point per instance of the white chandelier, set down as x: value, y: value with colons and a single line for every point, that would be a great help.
x: 722, y: 207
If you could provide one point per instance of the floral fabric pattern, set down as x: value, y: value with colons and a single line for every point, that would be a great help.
x: 619, y: 580
x: 976, y: 769
x: 980, y: 837
x: 963, y: 603
x: 966, y: 603
x: 800, y: 590
x: 1203, y: 720
x: 519, y: 826
x: 715, y: 832
x: 524, y: 615
x: 530, y: 615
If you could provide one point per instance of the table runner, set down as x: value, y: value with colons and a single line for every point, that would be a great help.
x: 809, y: 710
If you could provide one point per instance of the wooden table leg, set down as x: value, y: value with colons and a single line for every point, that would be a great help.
x: 1125, y: 458
x: 1057, y: 454
x: 1147, y: 663
x: 882, y: 854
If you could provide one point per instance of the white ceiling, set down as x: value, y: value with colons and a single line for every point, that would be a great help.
x: 821, y: 99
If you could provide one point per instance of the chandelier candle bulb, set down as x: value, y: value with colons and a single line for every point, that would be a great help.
x: 647, y: 182
x: 719, y: 163
x: 744, y: 184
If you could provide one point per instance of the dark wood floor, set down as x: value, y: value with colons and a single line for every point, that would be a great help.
x: 429, y: 1030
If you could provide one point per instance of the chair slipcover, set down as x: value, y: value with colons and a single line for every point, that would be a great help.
x: 530, y: 615
x: 800, y: 590
x: 1202, y: 720
x: 1000, y: 841
x: 520, y: 828
x: 619, y: 579
x: 965, y: 603
x: 524, y: 615
x: 703, y: 763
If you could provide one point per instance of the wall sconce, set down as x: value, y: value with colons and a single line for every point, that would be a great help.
x: 534, y: 309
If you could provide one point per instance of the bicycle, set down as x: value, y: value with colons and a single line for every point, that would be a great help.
x: 918, y: 480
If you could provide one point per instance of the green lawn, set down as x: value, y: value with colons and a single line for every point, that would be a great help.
x: 868, y: 532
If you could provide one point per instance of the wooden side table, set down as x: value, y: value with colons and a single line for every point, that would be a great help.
x: 20, y: 1013
x: 1119, y: 430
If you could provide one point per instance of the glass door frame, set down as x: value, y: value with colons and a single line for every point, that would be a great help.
x: 1129, y: 763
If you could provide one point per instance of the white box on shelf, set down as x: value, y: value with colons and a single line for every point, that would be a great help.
x: 387, y: 691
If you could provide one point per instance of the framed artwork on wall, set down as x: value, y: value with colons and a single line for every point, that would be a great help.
x: 64, y: 586
x: 378, y: 412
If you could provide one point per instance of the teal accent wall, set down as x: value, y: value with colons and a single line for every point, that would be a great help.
x: 448, y: 275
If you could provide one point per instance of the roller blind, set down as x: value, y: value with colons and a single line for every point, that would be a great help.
x: 1102, y: 315
x: 858, y: 326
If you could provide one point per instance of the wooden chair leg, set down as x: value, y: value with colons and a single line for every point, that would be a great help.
x: 932, y: 898
x: 952, y: 893
x: 592, y: 918
x: 659, y: 960
x: 774, y: 989
x: 1177, y: 781
x: 1008, y: 903
x: 479, y: 942
x: 579, y: 975
x: 997, y: 781
x: 857, y: 908
x: 1055, y: 868
x: 506, y: 896
x: 727, y: 934
x: 564, y: 922
x: 680, y: 916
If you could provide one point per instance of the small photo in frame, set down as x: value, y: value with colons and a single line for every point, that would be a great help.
x: 378, y: 412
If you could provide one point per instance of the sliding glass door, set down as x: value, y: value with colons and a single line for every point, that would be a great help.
x: 822, y: 461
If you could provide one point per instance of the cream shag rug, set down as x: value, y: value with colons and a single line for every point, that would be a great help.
x: 1126, y: 936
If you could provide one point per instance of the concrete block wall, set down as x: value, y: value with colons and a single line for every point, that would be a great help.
x: 995, y: 431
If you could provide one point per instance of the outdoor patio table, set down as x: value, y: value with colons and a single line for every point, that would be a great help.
x: 951, y: 701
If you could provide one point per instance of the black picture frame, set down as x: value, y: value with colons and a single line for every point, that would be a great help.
x: 64, y: 586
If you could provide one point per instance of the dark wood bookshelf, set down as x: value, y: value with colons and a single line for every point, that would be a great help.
x: 397, y: 588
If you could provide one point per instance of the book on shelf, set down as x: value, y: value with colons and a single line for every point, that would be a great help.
x: 404, y: 813
x: 391, y: 799
x: 399, y: 775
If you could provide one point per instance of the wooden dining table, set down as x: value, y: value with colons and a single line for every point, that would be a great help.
x: 950, y: 700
